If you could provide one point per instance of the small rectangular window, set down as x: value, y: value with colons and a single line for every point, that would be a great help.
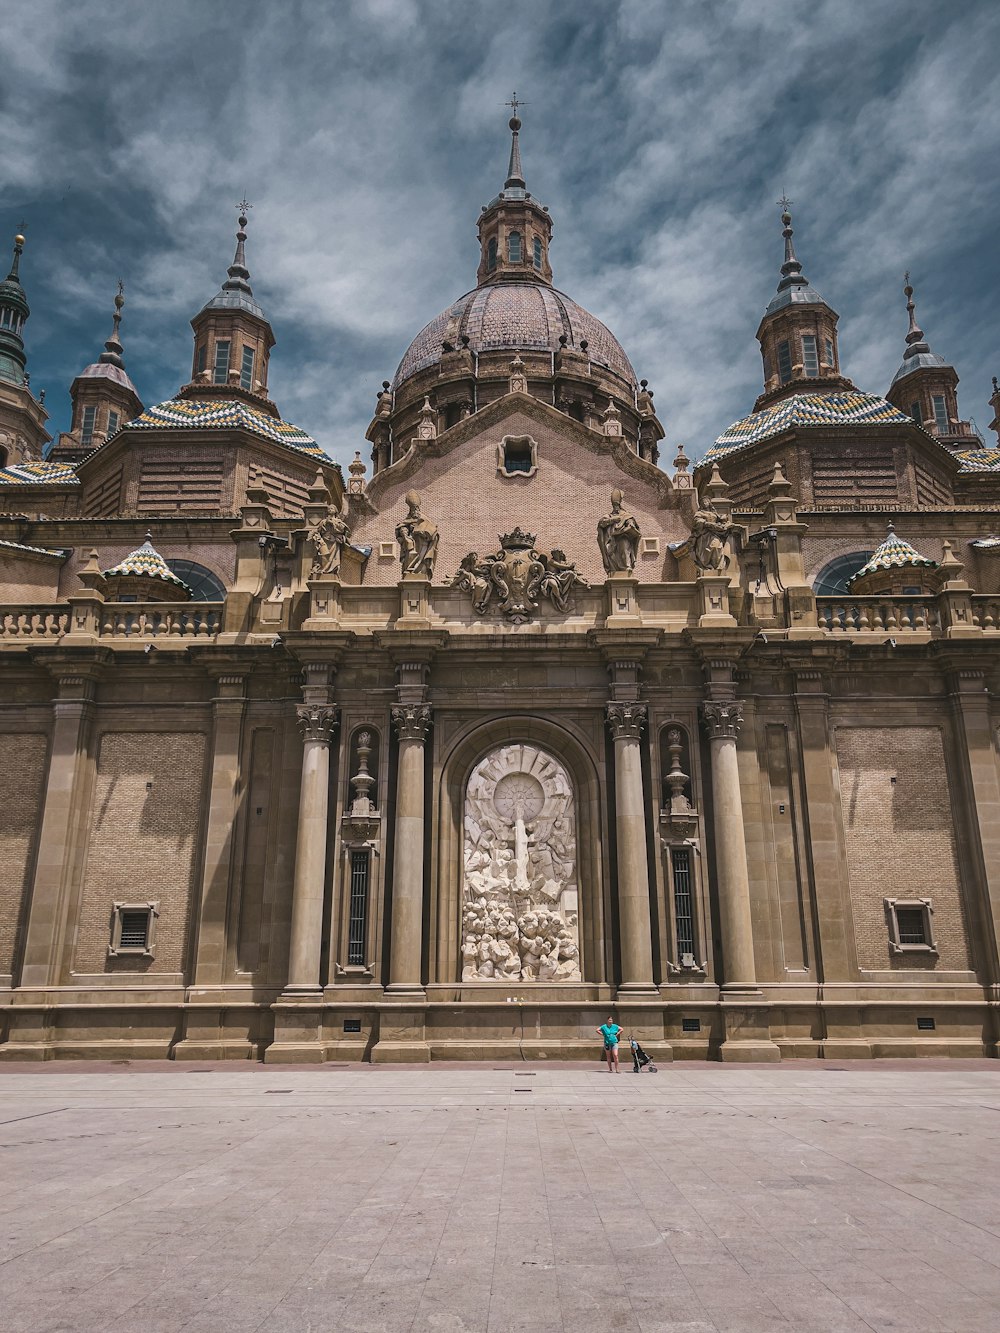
x: 828, y: 345
x: 352, y: 1024
x: 132, y: 929
x: 784, y: 362
x: 925, y: 1024
x: 113, y: 419
x: 221, y: 375
x: 940, y: 413
x: 767, y: 367
x: 202, y: 357
x: 810, y: 361
x: 680, y: 861
x: 690, y: 1024
x: 910, y: 925
x: 537, y: 245
x: 89, y: 418
x: 916, y: 413
x: 358, y: 916
x: 517, y: 455
x: 246, y: 370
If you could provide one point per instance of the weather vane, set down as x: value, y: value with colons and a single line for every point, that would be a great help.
x: 514, y: 103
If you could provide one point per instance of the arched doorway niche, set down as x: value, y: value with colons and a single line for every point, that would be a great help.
x: 584, y: 774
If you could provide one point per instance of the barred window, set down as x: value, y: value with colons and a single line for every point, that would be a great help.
x: 246, y: 371
x: 680, y: 858
x: 89, y: 419
x: 810, y: 359
x: 910, y: 925
x: 784, y: 362
x: 940, y: 413
x: 514, y: 247
x: 113, y: 420
x: 132, y: 929
x: 358, y: 915
x: 538, y: 252
x: 221, y: 375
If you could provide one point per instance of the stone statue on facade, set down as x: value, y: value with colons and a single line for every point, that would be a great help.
x: 618, y: 537
x: 709, y: 534
x: 328, y: 539
x: 418, y: 539
x: 517, y: 577
x: 520, y: 900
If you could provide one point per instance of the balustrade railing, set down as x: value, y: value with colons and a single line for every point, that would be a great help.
x: 986, y: 611
x: 132, y: 620
x: 878, y: 615
x: 33, y: 622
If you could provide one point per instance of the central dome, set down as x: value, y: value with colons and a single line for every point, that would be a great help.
x: 516, y: 316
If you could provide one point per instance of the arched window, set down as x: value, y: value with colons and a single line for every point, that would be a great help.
x: 205, y: 586
x: 538, y: 252
x: 832, y: 578
x: 491, y: 253
x: 514, y: 247
x: 3, y: 456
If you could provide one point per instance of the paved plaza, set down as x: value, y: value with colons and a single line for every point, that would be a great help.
x: 214, y: 1199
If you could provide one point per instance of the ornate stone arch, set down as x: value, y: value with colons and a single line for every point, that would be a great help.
x: 585, y: 769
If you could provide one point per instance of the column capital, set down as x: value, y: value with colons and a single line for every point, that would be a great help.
x: 722, y: 718
x: 625, y: 720
x: 316, y: 721
x: 412, y: 721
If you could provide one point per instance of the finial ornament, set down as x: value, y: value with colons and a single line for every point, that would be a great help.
x: 784, y: 203
x: 515, y: 174
x: 914, y: 335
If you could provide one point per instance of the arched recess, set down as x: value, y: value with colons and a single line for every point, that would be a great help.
x: 832, y: 579
x: 586, y: 770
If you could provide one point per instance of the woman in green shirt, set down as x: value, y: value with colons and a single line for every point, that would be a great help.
x: 611, y: 1033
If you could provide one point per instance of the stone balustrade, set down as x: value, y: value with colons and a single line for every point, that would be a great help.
x: 33, y: 622
x: 986, y: 612
x: 879, y: 615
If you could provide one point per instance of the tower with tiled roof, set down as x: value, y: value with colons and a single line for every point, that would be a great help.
x: 22, y: 416
x: 104, y: 397
x: 798, y: 333
x: 926, y: 385
x: 232, y: 338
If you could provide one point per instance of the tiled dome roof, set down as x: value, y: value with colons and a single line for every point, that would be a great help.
x: 808, y: 409
x: 104, y: 370
x: 146, y: 562
x: 515, y: 316
x: 39, y: 474
x: 894, y: 553
x: 222, y: 414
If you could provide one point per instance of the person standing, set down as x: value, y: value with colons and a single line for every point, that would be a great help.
x: 611, y: 1033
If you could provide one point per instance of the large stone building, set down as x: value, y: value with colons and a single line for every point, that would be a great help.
x: 455, y: 758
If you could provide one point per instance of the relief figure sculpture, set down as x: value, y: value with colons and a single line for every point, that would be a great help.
x: 520, y: 901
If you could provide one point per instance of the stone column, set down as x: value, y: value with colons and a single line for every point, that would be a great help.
x: 412, y: 723
x: 626, y: 721
x: 722, y: 721
x: 977, y: 745
x: 227, y: 727
x: 59, y: 838
x: 317, y: 720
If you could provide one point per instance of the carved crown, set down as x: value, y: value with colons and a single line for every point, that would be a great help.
x: 518, y: 540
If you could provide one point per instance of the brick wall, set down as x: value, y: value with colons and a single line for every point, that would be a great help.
x: 562, y: 503
x: 142, y: 843
x: 900, y: 839
x: 22, y: 772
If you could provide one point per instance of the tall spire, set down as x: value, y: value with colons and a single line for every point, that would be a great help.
x: 13, y: 312
x: 239, y: 274
x: 515, y: 173
x: 791, y: 269
x: 915, y: 341
x: 113, y: 350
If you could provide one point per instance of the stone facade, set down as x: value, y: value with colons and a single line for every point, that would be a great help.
x: 451, y: 760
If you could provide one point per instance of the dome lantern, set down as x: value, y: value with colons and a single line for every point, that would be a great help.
x: 514, y: 229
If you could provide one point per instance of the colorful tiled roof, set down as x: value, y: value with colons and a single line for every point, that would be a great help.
x: 986, y: 544
x: 39, y: 474
x: 894, y: 553
x: 978, y: 460
x: 223, y: 414
x: 805, y: 410
x: 31, y: 550
x: 146, y: 562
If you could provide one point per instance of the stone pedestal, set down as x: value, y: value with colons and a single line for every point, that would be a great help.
x: 324, y: 602
x: 626, y: 721
x: 412, y: 723
x: 414, y: 602
x: 713, y: 601
x: 623, y: 601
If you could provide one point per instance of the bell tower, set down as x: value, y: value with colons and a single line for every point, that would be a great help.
x: 514, y: 229
x: 22, y: 416
x: 925, y: 386
x: 798, y: 334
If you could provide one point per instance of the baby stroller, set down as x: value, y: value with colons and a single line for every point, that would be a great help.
x: 640, y: 1060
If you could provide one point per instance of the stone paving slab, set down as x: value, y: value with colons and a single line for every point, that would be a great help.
x: 798, y: 1198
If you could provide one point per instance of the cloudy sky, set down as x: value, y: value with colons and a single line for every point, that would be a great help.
x: 367, y: 133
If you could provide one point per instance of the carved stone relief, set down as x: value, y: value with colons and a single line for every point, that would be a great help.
x: 517, y: 577
x: 520, y: 900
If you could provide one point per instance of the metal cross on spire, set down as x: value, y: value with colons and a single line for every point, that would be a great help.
x: 514, y: 103
x: 121, y: 287
x: 784, y: 203
x: 243, y: 205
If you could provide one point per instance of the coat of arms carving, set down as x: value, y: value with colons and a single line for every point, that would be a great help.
x: 518, y: 577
